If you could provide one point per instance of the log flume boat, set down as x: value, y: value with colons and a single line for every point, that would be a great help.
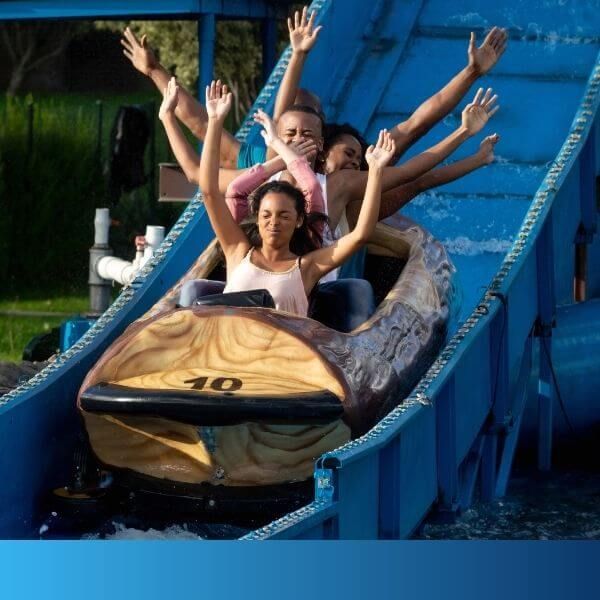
x: 236, y: 402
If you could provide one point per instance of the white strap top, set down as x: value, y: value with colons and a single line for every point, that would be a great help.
x: 286, y: 287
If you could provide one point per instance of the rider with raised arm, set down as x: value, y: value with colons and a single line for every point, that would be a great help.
x: 303, y: 36
x: 279, y: 207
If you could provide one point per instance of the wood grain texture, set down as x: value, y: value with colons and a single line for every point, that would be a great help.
x: 370, y: 369
x: 245, y: 454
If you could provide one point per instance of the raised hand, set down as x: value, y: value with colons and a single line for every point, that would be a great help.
x: 303, y: 34
x: 138, y: 52
x: 269, y: 131
x: 480, y: 111
x: 218, y: 100
x: 482, y: 59
x: 170, y: 97
x: 486, y: 148
x: 380, y: 155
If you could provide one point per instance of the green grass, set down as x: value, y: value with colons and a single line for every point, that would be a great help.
x: 16, y: 331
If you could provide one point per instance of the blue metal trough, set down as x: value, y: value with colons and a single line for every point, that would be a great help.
x: 512, y: 230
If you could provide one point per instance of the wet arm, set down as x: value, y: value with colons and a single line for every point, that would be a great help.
x: 185, y: 155
x: 480, y: 60
x: 324, y: 260
x: 245, y: 183
x: 354, y: 182
x: 303, y: 36
x: 290, y: 83
x: 393, y: 200
x: 232, y: 238
x: 433, y: 110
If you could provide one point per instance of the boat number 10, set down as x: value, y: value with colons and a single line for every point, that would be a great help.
x: 218, y: 384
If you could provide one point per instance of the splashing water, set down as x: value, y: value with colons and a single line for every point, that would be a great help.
x: 466, y: 247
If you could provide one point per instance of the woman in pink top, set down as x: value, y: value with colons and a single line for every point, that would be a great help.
x: 278, y: 260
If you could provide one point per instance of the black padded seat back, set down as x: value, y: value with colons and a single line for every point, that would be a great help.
x: 250, y: 298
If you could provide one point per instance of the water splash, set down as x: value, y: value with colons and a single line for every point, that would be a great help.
x: 465, y: 246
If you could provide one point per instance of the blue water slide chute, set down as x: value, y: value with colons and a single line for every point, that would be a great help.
x: 511, y: 228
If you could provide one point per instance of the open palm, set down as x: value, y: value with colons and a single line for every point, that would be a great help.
x: 480, y: 111
x: 218, y: 100
x: 382, y: 152
x: 303, y: 34
x: 138, y: 52
x: 484, y: 57
x: 170, y: 97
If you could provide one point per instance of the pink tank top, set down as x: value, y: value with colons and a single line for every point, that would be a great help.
x: 286, y: 287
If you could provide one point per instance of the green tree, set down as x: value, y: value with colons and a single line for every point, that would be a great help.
x: 238, y: 55
x: 32, y: 45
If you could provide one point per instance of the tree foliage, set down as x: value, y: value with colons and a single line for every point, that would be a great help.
x: 237, y: 54
x: 31, y: 45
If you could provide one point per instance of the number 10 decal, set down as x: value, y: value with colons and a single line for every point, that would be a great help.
x: 218, y: 384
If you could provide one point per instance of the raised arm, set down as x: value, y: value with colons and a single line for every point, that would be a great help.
x: 297, y: 162
x: 247, y: 181
x: 480, y: 60
x: 185, y: 155
x: 303, y: 36
x: 320, y: 262
x: 393, y: 200
x: 349, y: 185
x: 233, y: 241
x: 189, y: 111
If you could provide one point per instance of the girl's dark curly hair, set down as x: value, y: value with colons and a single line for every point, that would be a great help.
x: 334, y: 131
x: 307, y: 237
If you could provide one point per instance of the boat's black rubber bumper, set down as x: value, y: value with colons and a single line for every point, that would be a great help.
x: 205, y: 408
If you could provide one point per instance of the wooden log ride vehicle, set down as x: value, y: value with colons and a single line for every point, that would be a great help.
x: 227, y: 403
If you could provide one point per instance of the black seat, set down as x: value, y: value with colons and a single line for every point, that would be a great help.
x: 250, y: 298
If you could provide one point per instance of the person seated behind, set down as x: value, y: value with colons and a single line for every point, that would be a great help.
x: 283, y: 259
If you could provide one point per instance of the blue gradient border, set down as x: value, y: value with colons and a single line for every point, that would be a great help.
x: 302, y: 570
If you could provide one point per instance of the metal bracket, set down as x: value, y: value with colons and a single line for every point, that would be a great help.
x: 324, y: 484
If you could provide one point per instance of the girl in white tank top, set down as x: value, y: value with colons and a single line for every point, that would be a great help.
x: 285, y: 259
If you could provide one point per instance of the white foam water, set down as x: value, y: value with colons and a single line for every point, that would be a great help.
x: 174, y: 532
x: 465, y: 246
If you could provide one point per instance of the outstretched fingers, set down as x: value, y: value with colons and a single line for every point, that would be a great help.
x: 492, y: 112
x: 131, y: 37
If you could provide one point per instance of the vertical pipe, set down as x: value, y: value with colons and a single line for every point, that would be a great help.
x: 269, y: 47
x: 206, y: 51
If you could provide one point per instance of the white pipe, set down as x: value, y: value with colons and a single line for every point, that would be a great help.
x: 101, y: 226
x: 111, y: 267
x: 155, y: 234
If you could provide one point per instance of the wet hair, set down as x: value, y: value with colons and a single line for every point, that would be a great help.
x: 305, y: 238
x: 304, y: 108
x: 334, y: 131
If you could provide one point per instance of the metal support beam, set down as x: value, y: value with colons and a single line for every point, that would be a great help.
x: 512, y: 436
x: 206, y: 52
x: 546, y: 307
x: 269, y: 47
x: 499, y: 410
x: 447, y: 462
